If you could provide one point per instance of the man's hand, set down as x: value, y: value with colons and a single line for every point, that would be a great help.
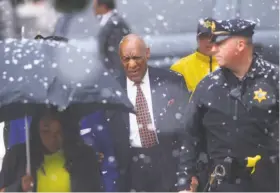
x: 27, y: 183
x: 193, y: 186
x: 100, y: 157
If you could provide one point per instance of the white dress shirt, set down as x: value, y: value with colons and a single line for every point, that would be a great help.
x: 106, y: 17
x: 132, y: 92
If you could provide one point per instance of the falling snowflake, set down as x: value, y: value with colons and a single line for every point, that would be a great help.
x: 147, y: 159
x: 175, y: 153
x: 238, y: 181
x: 106, y: 93
x: 15, y: 61
x: 216, y: 77
x: 135, y: 158
x: 53, y: 177
x: 111, y: 48
x: 54, y: 65
x: 20, y: 79
x: 160, y: 17
x: 115, y: 22
x: 178, y: 116
x: 111, y: 159
x: 104, y: 172
x: 182, y: 181
x: 88, y: 71
x: 27, y: 67
x: 150, y: 127
x: 45, y: 84
x: 99, y: 127
x: 118, y: 93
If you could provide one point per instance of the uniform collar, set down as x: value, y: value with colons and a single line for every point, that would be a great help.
x: 203, y: 57
x: 256, y: 69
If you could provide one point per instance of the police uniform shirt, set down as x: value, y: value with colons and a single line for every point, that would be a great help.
x: 231, y: 117
x: 235, y: 118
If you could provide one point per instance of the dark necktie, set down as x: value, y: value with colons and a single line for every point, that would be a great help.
x: 147, y: 133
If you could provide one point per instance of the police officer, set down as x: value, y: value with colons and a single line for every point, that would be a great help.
x: 196, y: 66
x: 234, y: 113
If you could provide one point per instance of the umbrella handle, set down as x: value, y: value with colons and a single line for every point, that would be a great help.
x: 27, y: 143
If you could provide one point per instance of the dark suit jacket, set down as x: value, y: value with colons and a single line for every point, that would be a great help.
x: 169, y: 99
x: 109, y: 38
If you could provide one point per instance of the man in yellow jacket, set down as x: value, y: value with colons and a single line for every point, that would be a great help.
x: 197, y: 65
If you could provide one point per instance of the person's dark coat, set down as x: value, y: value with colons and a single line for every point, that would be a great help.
x: 84, y: 174
x: 109, y: 38
x: 169, y: 99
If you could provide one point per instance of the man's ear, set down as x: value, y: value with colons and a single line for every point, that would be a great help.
x: 241, y: 44
x: 148, y: 53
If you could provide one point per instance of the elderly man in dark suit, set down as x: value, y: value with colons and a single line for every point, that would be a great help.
x: 113, y: 29
x: 147, y: 145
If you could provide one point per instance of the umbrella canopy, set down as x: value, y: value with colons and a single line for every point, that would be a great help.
x: 39, y: 72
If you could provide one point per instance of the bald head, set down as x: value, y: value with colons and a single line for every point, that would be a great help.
x: 134, y: 55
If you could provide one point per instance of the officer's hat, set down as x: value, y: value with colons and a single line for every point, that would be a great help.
x: 204, y: 26
x: 224, y: 29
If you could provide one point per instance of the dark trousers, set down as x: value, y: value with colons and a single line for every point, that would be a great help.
x: 264, y: 179
x: 243, y: 186
x: 147, y: 171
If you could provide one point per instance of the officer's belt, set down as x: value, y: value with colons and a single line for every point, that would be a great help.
x: 233, y: 171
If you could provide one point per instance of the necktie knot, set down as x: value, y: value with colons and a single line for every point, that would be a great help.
x: 138, y: 84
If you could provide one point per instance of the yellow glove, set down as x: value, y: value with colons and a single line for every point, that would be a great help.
x: 252, y: 162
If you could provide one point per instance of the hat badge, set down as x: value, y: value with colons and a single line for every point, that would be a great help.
x: 210, y: 24
x: 207, y: 24
x: 213, y: 26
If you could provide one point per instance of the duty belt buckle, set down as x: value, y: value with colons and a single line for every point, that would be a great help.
x: 219, y: 173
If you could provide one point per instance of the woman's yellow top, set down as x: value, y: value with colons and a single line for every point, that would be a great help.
x: 56, y: 178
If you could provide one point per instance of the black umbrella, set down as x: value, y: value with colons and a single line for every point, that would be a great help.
x: 39, y: 72
x: 48, y: 72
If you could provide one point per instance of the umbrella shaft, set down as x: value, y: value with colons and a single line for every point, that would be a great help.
x: 27, y: 137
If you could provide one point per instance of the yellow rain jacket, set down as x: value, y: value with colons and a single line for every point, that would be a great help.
x: 194, y: 68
